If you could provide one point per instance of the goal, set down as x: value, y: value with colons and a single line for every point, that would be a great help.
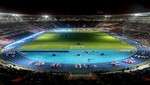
x: 76, y: 47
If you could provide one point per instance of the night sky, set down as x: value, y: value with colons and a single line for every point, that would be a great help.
x: 74, y: 7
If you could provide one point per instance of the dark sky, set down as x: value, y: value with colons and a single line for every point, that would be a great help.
x: 74, y: 7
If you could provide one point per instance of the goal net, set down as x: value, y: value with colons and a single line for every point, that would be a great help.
x: 76, y: 47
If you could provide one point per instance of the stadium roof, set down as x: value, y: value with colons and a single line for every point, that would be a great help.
x: 74, y: 7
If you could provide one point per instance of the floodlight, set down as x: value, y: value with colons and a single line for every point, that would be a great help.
x: 15, y: 15
x: 137, y: 14
x: 107, y: 16
x: 45, y: 16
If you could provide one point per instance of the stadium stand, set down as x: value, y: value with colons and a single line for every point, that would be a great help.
x: 12, y: 30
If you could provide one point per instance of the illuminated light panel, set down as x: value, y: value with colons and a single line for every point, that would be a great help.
x: 62, y: 30
x: 22, y: 40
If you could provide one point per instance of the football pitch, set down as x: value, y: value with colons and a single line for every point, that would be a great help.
x: 76, y: 40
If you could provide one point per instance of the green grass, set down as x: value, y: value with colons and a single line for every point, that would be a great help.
x: 64, y: 40
x: 1, y: 56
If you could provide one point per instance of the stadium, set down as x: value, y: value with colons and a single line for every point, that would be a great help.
x: 40, y: 49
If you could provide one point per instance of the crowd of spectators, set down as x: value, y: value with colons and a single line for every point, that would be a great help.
x: 13, y: 31
x: 138, y: 77
x: 12, y: 76
x: 139, y: 32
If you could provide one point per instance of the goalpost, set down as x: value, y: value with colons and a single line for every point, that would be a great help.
x: 76, y: 47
